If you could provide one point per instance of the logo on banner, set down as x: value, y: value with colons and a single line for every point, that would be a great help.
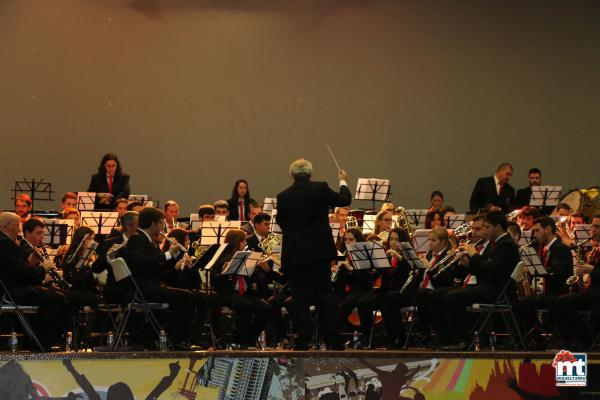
x: 571, y: 368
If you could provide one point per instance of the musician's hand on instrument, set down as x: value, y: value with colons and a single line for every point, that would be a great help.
x: 179, y: 265
x: 48, y: 278
x: 174, y: 248
x: 425, y: 263
x: 395, y: 254
x: 469, y: 249
x: 464, y: 261
x: 342, y: 175
x: 47, y: 265
x: 583, y: 269
x: 33, y: 260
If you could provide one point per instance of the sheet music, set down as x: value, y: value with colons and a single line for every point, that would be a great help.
x: 582, y: 232
x: 416, y: 218
x: 367, y: 255
x: 214, y: 232
x: 102, y: 222
x: 526, y: 237
x: 216, y: 256
x: 453, y: 221
x: 410, y: 255
x: 275, y: 228
x: 58, y: 231
x: 335, y: 230
x: 550, y: 195
x: 86, y: 201
x: 372, y: 189
x: 242, y: 263
x: 142, y: 198
x: 421, y: 240
x: 369, y: 223
x: 269, y: 204
x: 195, y: 222
x: 531, y: 260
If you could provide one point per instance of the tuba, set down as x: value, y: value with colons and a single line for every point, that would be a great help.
x: 351, y: 223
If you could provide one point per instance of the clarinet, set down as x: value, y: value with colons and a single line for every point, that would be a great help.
x: 64, y: 285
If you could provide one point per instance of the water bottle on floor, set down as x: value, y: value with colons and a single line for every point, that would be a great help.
x: 262, y: 340
x: 162, y: 340
x: 14, y: 342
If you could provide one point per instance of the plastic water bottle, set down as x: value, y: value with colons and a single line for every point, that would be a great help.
x: 110, y: 338
x: 262, y: 340
x: 162, y: 340
x: 14, y: 342
x: 477, y: 346
x: 356, y: 340
x: 69, y: 341
x: 493, y: 341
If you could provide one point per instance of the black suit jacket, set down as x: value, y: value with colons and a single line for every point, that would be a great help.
x: 559, y: 266
x: 120, y: 186
x: 523, y: 197
x: 234, y: 212
x: 484, y: 194
x: 494, y: 268
x: 15, y: 271
x: 303, y: 215
x: 145, y: 261
x: 101, y: 263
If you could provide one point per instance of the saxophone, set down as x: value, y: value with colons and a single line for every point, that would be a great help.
x: 575, y: 282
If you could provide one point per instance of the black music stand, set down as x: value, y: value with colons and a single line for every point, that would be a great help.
x: 269, y: 205
x: 335, y: 230
x: 213, y: 232
x: 58, y: 232
x: 417, y: 217
x: 275, y: 228
x: 534, y: 267
x: 582, y: 234
x: 453, y: 221
x: 36, y: 189
x: 410, y: 255
x: 545, y: 196
x: 86, y: 201
x: 373, y: 189
x: 526, y: 237
x: 102, y: 222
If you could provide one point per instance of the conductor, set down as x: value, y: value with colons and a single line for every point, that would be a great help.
x: 308, y: 248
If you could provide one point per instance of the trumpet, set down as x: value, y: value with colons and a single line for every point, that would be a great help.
x: 174, y: 241
x: 451, y: 258
x: 513, y: 215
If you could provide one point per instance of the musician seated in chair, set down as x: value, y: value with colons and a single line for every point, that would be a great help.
x: 251, y: 311
x: 222, y: 209
x: 585, y: 296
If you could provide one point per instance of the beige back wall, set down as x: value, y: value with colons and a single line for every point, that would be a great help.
x: 193, y: 94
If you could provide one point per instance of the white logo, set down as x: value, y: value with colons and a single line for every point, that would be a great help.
x: 571, y: 368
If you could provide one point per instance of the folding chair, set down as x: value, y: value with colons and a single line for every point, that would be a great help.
x: 8, y: 305
x: 502, y: 307
x: 138, y: 302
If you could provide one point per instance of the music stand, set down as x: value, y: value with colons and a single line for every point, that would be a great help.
x: 526, y: 237
x: 102, y: 222
x: 269, y: 205
x: 58, y: 232
x: 410, y: 255
x: 195, y: 222
x: 582, y: 234
x: 86, y: 201
x: 213, y: 232
x: 368, y: 224
x: 421, y: 240
x: 275, y: 228
x: 453, y: 221
x: 372, y: 189
x: 36, y: 189
x: 531, y: 261
x: 142, y: 198
x: 243, y: 263
x: 545, y: 196
x: 335, y: 230
x: 416, y: 218
x: 368, y: 255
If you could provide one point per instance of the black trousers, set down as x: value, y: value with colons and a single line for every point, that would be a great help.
x: 251, y: 313
x: 346, y: 304
x: 392, y: 315
x: 567, y: 320
x: 458, y: 322
x: 181, y: 306
x: 312, y: 282
x: 53, y: 315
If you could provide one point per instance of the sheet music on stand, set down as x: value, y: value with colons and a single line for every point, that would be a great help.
x: 58, y: 232
x: 543, y: 196
x: 214, y: 232
x: 368, y: 224
x: 86, y: 201
x: 142, y: 198
x: 453, y: 221
x: 102, y: 222
x: 421, y: 240
x: 269, y: 205
x: 36, y: 189
x: 581, y: 233
x: 275, y: 228
x: 215, y: 256
x: 372, y: 189
x: 416, y: 218
x: 243, y: 263
x: 526, y: 237
x: 367, y: 255
x: 531, y: 261
x: 410, y: 255
x: 195, y: 222
x: 335, y: 230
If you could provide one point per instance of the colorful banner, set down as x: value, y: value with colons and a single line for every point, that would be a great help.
x: 286, y: 377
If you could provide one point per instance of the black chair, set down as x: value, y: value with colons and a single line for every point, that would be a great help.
x: 502, y: 307
x: 8, y: 305
x: 138, y: 302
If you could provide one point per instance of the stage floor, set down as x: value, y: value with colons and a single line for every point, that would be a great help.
x: 306, y: 375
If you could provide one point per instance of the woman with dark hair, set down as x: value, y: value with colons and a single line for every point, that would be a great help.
x: 234, y: 291
x: 109, y: 182
x: 434, y: 218
x: 437, y: 200
x: 239, y: 203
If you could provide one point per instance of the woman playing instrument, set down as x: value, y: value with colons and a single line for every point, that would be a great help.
x: 383, y: 221
x: 234, y: 291
x: 385, y: 281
